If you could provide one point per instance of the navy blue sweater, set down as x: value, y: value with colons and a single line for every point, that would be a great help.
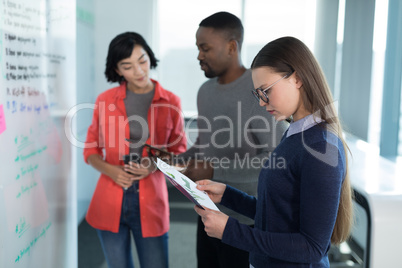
x: 298, y: 197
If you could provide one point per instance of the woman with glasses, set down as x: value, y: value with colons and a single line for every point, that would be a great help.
x: 306, y: 204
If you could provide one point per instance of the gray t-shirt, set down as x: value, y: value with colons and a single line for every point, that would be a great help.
x: 137, y: 106
x: 235, y: 133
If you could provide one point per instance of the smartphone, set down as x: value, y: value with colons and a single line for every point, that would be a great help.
x: 131, y: 158
x: 152, y: 148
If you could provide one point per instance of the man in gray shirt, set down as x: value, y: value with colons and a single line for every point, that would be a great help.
x: 235, y: 134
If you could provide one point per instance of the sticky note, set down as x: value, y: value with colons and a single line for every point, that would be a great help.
x: 2, y: 120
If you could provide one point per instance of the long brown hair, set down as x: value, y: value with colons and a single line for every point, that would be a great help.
x: 287, y: 55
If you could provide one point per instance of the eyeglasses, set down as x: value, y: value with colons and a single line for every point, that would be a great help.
x: 261, y: 93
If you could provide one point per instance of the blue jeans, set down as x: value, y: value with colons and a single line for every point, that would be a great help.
x: 152, y: 251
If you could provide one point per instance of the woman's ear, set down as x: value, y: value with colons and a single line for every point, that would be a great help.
x: 298, y: 81
x: 118, y: 72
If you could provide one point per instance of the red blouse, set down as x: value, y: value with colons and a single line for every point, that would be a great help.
x: 106, y: 136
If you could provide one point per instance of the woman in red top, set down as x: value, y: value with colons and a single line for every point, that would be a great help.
x: 132, y: 197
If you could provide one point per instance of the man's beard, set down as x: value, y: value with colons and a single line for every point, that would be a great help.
x: 210, y: 73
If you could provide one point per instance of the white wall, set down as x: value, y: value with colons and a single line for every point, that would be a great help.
x: 113, y: 18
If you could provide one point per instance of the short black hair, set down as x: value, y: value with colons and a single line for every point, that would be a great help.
x: 227, y: 23
x: 120, y: 48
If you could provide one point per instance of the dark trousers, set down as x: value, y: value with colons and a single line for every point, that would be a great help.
x: 211, y: 252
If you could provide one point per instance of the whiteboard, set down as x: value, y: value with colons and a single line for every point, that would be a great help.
x: 37, y: 87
